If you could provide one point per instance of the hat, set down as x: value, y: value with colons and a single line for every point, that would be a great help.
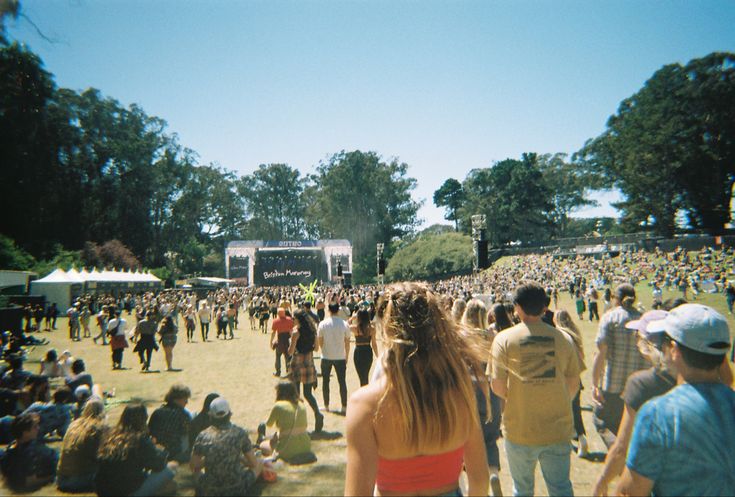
x: 697, y: 327
x: 219, y: 408
x: 641, y: 325
x: 66, y: 353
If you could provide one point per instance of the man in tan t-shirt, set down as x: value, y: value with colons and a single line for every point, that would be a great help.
x: 535, y: 368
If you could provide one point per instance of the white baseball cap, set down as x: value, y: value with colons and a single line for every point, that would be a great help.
x: 219, y: 408
x: 697, y: 327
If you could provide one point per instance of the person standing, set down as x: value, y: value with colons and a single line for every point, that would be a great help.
x: 365, y: 345
x: 301, y: 350
x: 145, y: 330
x: 399, y: 440
x: 334, y: 340
x: 102, y: 318
x: 73, y: 314
x: 534, y: 364
x: 617, y: 357
x: 592, y: 297
x: 205, y: 316
x: 281, y: 335
x: 684, y: 441
x: 167, y: 331
x: 190, y: 322
x: 118, y: 343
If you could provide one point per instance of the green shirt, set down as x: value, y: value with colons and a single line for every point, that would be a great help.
x: 288, y: 417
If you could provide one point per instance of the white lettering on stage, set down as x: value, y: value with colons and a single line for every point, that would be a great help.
x: 279, y: 274
x: 289, y: 244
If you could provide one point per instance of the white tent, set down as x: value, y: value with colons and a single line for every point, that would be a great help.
x: 58, y: 287
x: 63, y: 287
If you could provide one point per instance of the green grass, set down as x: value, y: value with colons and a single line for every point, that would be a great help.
x: 240, y: 370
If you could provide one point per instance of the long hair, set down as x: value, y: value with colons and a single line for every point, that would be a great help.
x: 90, y: 424
x: 475, y: 315
x: 502, y: 320
x: 428, y: 365
x: 363, y: 322
x: 208, y: 402
x: 286, y: 390
x: 566, y: 324
x: 128, y: 433
x: 458, y: 308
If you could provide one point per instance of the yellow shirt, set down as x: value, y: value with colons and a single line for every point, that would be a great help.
x: 535, y: 361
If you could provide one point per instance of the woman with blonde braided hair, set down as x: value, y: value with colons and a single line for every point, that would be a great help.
x: 412, y: 430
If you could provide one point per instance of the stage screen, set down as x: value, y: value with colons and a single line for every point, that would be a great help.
x: 289, y: 267
x: 239, y: 269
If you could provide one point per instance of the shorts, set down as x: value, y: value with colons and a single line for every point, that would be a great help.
x: 302, y: 369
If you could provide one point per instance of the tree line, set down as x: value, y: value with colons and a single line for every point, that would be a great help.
x: 88, y: 179
x: 669, y: 148
x: 81, y: 170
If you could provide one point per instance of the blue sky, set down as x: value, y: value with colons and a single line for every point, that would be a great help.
x: 444, y: 86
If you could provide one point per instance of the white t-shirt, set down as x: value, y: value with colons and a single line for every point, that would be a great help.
x: 334, y: 331
x: 114, y: 323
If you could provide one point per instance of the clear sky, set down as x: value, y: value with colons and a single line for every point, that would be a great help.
x: 444, y: 86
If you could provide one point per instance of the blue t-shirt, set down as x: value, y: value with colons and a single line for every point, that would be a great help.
x: 685, y: 441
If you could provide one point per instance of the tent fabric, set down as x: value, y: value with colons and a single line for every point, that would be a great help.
x: 62, y: 287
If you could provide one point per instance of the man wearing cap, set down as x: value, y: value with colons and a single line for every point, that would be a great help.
x: 616, y: 359
x: 684, y: 441
x: 226, y: 455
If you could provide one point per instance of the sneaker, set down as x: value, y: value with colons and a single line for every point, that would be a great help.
x: 582, y: 447
x: 277, y: 374
x: 261, y: 433
x: 319, y: 424
x: 495, y: 489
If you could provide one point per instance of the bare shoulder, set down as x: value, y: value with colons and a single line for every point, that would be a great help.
x: 368, y: 396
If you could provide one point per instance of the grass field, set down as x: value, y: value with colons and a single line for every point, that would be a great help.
x: 241, y: 370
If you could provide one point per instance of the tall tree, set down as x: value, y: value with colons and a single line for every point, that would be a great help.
x: 450, y: 195
x: 567, y: 185
x: 514, y: 199
x: 671, y: 146
x: 358, y: 196
x: 274, y: 202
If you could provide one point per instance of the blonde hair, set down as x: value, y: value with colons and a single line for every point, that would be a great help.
x: 458, y: 308
x: 91, y: 424
x: 427, y: 364
x: 565, y: 323
x: 475, y: 315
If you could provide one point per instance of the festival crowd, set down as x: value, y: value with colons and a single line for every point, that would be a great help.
x: 462, y: 363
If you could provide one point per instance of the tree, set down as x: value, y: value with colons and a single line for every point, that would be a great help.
x: 567, y: 185
x: 450, y: 195
x: 514, y: 198
x: 358, y: 196
x: 274, y: 202
x: 14, y: 257
x: 671, y: 146
x: 431, y: 256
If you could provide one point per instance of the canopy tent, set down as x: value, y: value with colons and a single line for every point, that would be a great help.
x: 58, y: 287
x: 63, y: 287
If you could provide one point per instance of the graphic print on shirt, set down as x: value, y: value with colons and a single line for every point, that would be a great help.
x: 538, y: 362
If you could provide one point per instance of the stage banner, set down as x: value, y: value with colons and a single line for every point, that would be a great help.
x: 290, y: 244
x: 289, y: 267
x: 239, y: 269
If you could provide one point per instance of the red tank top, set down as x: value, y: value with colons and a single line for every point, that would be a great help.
x: 420, y: 472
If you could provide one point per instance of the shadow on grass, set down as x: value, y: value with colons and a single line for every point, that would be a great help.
x: 598, y: 457
x: 326, y: 435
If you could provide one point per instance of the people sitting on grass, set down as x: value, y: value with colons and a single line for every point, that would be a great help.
x: 28, y: 464
x: 169, y: 424
x: 78, y: 459
x: 50, y: 365
x: 129, y: 461
x: 202, y: 420
x: 291, y: 442
x: 55, y: 416
x: 79, y: 376
x: 225, y: 454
